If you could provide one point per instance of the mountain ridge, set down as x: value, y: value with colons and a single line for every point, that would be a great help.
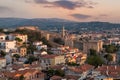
x: 51, y: 23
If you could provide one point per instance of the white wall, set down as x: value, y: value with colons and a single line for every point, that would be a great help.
x: 7, y: 45
x: 2, y: 63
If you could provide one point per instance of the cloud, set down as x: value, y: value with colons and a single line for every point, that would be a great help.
x: 103, y: 15
x: 67, y: 4
x: 41, y: 1
x: 80, y: 16
x: 4, y: 9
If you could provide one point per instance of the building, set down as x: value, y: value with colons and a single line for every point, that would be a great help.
x: 23, y: 37
x: 63, y: 32
x: 92, y: 44
x: 28, y: 28
x: 114, y: 58
x: 40, y: 53
x: 46, y: 35
x: 7, y: 45
x: 27, y: 74
x: 81, y: 59
x: 56, y: 78
x: 80, y: 71
x: 102, y: 78
x: 69, y: 42
x: 2, y: 36
x: 23, y: 51
x: 39, y: 47
x: 37, y: 43
x: 2, y: 62
x: 109, y: 71
x: 51, y: 60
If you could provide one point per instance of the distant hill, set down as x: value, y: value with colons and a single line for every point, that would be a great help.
x: 54, y: 23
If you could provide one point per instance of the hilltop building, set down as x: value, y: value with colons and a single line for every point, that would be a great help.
x: 28, y: 28
x: 92, y: 44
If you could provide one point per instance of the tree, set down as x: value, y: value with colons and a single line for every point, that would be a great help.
x: 93, y: 52
x: 18, y: 39
x: 108, y: 57
x: 95, y: 60
x: 59, y: 41
x: 59, y: 73
x: 31, y: 48
x: 43, y: 49
x: 6, y: 38
x: 31, y: 59
x: 52, y: 72
x: 21, y: 77
x: 32, y: 35
x: 1, y: 30
x: 46, y: 42
x: 2, y: 53
x: 72, y: 64
x: 111, y: 48
x: 16, y: 56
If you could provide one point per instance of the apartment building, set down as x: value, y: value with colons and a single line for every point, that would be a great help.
x: 23, y: 37
x: 51, y: 60
x: 7, y: 45
x: 2, y: 62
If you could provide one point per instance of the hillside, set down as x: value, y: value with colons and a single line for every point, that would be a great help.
x: 52, y: 23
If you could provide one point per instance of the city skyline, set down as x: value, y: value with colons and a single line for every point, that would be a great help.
x: 75, y: 10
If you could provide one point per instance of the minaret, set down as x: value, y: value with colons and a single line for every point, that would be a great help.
x: 63, y: 32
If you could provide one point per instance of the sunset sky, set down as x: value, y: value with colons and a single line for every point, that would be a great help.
x: 76, y: 10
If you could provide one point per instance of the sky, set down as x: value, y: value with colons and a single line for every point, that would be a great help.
x: 75, y: 10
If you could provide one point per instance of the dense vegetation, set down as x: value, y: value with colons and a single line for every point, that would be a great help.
x: 50, y: 24
x: 32, y: 35
x: 94, y: 59
x: 2, y: 53
x: 31, y: 59
x: 108, y: 57
x: 72, y: 64
x: 59, y: 41
x: 52, y: 72
x: 111, y: 48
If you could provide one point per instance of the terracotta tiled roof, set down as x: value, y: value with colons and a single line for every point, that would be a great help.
x: 49, y: 56
x: 2, y: 58
x: 57, y: 67
x: 2, y: 34
x: 81, y: 68
x: 71, y: 77
x: 19, y: 73
x: 112, y: 71
x: 56, y: 78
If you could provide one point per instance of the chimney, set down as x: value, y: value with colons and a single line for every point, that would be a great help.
x: 107, y: 67
x: 107, y: 72
x: 115, y: 67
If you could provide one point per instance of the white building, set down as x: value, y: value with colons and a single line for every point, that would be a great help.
x: 7, y: 45
x: 2, y: 62
x: 2, y: 36
x: 37, y: 43
x: 40, y: 53
x: 23, y: 37
x: 39, y: 47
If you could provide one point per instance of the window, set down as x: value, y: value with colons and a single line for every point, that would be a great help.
x: 2, y: 38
